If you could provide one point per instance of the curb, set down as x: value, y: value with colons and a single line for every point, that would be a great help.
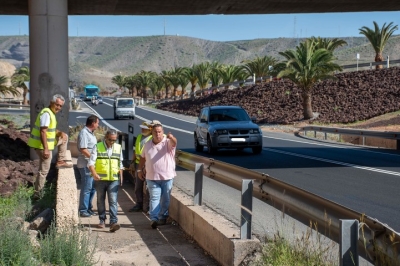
x: 215, y: 234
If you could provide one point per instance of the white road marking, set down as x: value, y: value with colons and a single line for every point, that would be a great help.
x: 335, y: 162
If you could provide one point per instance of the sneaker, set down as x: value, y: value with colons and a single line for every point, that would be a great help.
x: 153, y: 224
x: 114, y: 227
x: 101, y: 225
x: 92, y: 213
x: 85, y: 214
x: 162, y: 222
x: 63, y: 165
x: 136, y: 208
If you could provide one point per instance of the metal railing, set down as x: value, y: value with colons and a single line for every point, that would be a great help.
x: 375, y: 239
x: 356, y: 132
x: 13, y: 106
x: 370, y: 64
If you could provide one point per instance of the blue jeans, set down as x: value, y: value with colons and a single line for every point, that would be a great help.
x: 87, y: 190
x: 160, y: 193
x: 111, y: 189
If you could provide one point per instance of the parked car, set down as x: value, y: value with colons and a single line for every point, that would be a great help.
x: 100, y: 99
x: 226, y: 127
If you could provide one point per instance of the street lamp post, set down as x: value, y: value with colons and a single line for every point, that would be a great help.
x: 358, y: 58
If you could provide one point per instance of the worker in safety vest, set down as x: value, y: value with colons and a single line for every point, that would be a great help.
x: 44, y: 138
x: 140, y: 186
x: 105, y: 164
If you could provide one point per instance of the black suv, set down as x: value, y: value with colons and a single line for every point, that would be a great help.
x: 228, y: 127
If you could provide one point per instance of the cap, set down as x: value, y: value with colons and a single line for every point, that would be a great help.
x: 145, y: 125
x: 155, y: 122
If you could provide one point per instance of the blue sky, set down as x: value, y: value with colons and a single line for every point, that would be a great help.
x: 216, y: 27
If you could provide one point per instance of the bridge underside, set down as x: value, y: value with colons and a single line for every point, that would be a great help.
x: 204, y: 7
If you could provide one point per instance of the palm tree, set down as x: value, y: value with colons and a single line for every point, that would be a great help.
x: 157, y: 86
x: 229, y: 73
x: 4, y: 89
x: 192, y: 78
x: 18, y: 80
x: 260, y: 66
x: 174, y: 77
x: 378, y: 38
x: 165, y: 75
x: 306, y: 66
x: 202, y: 72
x: 329, y: 44
x: 146, y: 78
x: 119, y: 80
x: 132, y: 83
x: 183, y: 81
x: 215, y: 78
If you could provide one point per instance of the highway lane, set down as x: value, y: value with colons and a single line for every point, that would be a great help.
x: 363, y: 179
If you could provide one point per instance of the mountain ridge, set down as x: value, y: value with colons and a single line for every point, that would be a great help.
x: 100, y: 58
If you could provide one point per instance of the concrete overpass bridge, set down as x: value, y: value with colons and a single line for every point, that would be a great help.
x: 48, y: 29
x: 203, y: 7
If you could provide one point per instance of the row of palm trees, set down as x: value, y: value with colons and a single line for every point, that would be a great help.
x: 18, y: 80
x: 310, y: 62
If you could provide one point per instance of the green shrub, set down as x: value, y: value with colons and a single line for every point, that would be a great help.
x: 69, y: 246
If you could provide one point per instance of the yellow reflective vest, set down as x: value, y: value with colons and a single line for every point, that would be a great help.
x: 108, y: 167
x: 34, y: 139
x: 138, y: 149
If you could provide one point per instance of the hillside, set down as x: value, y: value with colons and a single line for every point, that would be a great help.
x: 100, y: 58
x: 353, y: 97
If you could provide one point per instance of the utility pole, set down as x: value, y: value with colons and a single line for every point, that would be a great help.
x: 164, y: 27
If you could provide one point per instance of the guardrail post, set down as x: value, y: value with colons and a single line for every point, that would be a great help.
x: 370, y: 65
x: 348, y: 241
x: 198, y: 184
x: 131, y: 141
x: 315, y: 134
x: 363, y: 141
x: 326, y: 136
x: 340, y: 137
x: 246, y: 209
x: 398, y: 144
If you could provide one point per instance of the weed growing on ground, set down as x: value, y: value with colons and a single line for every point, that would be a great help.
x: 69, y: 246
x: 304, y: 250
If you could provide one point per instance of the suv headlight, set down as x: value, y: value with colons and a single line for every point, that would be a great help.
x: 254, y: 131
x: 222, y: 132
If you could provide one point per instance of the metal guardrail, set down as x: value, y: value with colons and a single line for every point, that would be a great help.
x: 370, y: 64
x: 13, y: 106
x: 357, y: 132
x: 376, y: 239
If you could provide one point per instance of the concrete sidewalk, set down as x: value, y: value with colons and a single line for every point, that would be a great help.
x: 136, y: 243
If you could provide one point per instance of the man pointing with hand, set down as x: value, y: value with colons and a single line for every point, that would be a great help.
x: 157, y: 166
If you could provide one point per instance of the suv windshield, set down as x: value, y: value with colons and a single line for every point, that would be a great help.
x: 228, y: 115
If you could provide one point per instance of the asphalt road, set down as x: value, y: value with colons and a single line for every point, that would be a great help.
x: 362, y: 179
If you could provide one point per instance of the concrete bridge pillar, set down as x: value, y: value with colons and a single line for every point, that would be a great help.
x: 48, y: 50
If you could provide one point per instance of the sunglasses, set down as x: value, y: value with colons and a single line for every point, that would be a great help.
x: 112, y: 140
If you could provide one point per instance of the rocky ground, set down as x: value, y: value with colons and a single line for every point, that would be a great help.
x: 15, y: 164
x: 352, y: 97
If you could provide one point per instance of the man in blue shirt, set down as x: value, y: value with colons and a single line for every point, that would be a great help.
x: 86, y: 141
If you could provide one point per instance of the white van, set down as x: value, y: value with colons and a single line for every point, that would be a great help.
x: 124, y: 108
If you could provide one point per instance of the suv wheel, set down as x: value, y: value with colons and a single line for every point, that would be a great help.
x: 211, y: 149
x: 197, y: 146
x: 257, y: 150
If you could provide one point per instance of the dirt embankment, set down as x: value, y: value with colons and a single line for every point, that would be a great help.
x: 16, y: 167
x: 352, y: 97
